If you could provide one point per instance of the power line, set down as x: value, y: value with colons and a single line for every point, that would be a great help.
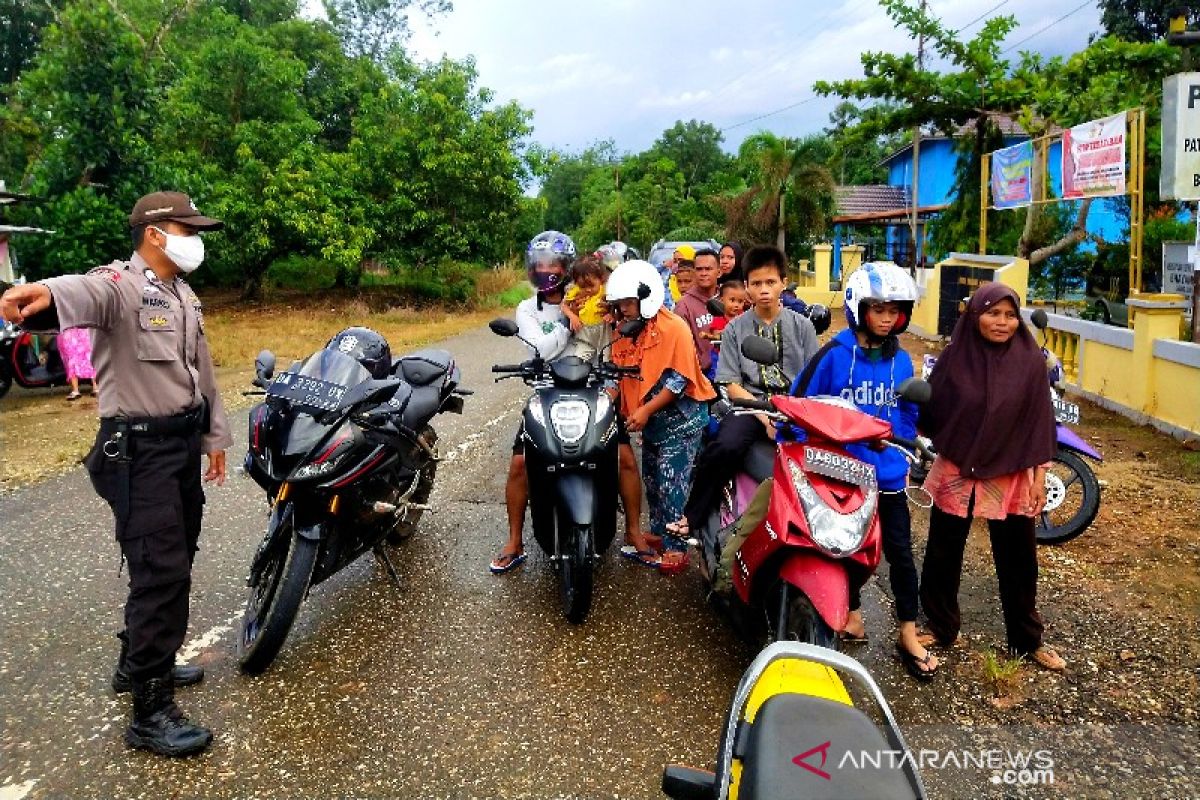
x: 772, y: 65
x: 999, y: 5
x: 769, y: 114
x: 1039, y: 31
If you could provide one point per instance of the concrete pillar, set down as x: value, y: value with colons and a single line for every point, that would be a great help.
x: 822, y: 261
x: 1152, y: 319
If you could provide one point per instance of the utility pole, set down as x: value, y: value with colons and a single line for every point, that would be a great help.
x: 618, y: 183
x: 914, y: 226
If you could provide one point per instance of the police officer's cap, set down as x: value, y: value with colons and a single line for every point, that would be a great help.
x: 174, y: 206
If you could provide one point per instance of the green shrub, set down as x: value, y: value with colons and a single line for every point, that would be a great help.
x: 306, y: 273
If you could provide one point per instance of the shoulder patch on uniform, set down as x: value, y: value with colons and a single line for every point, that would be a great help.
x: 106, y: 272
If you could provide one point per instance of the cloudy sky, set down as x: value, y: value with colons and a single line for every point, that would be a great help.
x: 628, y: 69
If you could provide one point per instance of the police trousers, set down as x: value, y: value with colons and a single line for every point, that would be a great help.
x: 154, y: 489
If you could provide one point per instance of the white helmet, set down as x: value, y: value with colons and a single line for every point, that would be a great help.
x: 636, y: 280
x: 880, y: 281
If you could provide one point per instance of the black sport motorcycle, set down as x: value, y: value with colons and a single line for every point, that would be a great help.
x: 569, y: 429
x: 347, y: 462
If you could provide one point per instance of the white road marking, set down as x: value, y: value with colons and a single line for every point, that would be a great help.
x: 207, y: 639
x: 15, y: 791
x: 474, y: 438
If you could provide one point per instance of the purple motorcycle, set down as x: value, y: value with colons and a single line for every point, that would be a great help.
x: 1072, y: 489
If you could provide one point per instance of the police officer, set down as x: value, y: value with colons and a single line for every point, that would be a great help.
x: 159, y: 410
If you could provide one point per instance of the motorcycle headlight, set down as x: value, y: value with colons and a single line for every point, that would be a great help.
x: 838, y: 534
x: 570, y: 419
x: 313, y: 470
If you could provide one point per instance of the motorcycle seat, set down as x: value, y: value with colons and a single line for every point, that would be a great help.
x: 421, y: 406
x: 785, y: 756
x: 423, y: 367
x: 760, y: 460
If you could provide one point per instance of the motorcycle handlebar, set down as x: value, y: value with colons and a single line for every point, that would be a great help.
x: 757, y: 405
x: 508, y: 368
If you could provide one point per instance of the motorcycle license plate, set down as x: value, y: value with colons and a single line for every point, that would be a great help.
x: 1066, y: 413
x: 310, y: 394
x: 839, y: 467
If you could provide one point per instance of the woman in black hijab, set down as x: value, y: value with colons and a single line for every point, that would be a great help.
x: 992, y: 424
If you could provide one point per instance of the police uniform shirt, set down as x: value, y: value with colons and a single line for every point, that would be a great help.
x: 148, y: 348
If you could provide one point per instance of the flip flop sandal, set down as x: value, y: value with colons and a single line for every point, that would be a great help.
x: 913, y: 664
x: 676, y: 564
x: 506, y: 562
x: 647, y: 558
x: 1057, y: 665
x: 74, y: 396
x: 849, y: 638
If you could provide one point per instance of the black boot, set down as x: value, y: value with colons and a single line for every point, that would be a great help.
x: 183, y: 675
x: 159, y: 725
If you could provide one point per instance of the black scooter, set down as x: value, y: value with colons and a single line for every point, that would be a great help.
x: 569, y: 428
x: 347, y: 462
x: 30, y: 361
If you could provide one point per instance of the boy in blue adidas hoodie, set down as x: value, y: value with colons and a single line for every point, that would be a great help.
x: 864, y: 364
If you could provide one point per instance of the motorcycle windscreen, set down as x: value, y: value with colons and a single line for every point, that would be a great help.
x: 320, y: 383
x: 316, y: 387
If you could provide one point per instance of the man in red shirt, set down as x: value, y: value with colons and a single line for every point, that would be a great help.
x: 693, y: 306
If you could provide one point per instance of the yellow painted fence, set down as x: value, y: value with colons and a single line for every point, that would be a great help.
x: 1145, y: 373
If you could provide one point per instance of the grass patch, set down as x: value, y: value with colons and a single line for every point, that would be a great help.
x: 1002, y: 675
x: 41, y: 434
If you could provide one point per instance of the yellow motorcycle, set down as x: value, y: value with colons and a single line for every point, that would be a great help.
x: 793, y: 732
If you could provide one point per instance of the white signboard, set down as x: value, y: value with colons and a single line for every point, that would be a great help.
x: 1179, y: 259
x: 1180, y: 176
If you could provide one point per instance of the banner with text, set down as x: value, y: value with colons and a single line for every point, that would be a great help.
x: 1093, y: 158
x: 1012, y: 176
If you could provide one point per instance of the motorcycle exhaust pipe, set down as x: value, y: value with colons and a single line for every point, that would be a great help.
x: 380, y: 507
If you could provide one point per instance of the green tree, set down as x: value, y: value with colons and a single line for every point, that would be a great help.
x: 695, y: 149
x: 975, y: 82
x: 24, y: 23
x: 374, y: 28
x: 790, y: 189
x: 1142, y: 20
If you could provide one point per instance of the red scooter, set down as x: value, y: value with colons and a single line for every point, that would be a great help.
x: 793, y: 564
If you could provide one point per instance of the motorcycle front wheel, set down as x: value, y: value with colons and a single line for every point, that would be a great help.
x: 805, y: 624
x: 1072, y: 499
x: 274, y: 602
x: 577, y: 575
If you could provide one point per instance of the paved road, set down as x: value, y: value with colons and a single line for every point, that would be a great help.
x: 456, y: 684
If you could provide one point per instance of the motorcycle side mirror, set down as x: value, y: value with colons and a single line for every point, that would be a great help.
x: 715, y: 306
x: 820, y: 317
x: 1039, y: 319
x: 503, y: 327
x: 760, y: 350
x: 264, y: 367
x: 630, y: 328
x: 915, y: 390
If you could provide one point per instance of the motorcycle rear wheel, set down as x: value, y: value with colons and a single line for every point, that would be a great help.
x: 403, y: 530
x: 273, y: 604
x: 577, y: 575
x: 1072, y: 499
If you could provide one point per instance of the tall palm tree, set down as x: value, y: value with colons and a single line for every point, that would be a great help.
x: 789, y: 188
